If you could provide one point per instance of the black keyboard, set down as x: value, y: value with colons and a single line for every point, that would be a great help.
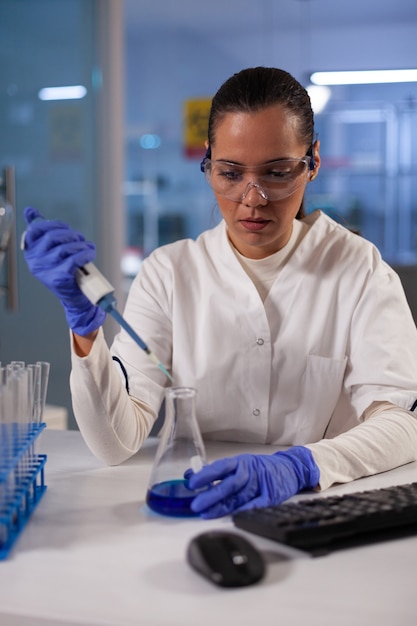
x: 320, y: 524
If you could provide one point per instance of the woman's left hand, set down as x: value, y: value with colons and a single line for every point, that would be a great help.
x: 249, y: 481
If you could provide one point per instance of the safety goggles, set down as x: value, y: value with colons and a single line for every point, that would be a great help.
x: 273, y: 181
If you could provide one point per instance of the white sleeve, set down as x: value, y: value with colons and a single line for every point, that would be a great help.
x: 387, y: 438
x: 113, y: 424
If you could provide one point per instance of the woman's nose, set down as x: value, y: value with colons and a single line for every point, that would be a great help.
x: 254, y: 195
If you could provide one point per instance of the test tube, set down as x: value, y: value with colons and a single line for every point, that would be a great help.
x: 35, y: 391
x: 20, y: 392
x: 5, y: 447
x: 44, y: 378
x: 41, y: 377
x: 4, y: 454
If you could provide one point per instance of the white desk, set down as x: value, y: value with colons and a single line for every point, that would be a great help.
x: 93, y: 554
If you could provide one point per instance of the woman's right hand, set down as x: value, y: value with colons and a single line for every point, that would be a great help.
x: 53, y: 253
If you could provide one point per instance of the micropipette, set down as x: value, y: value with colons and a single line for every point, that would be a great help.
x: 101, y: 293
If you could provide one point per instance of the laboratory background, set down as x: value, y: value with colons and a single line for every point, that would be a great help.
x: 116, y: 150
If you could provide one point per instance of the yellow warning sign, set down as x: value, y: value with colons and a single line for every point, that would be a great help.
x: 196, y: 115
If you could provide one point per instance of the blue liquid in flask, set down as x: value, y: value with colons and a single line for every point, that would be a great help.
x: 171, y: 497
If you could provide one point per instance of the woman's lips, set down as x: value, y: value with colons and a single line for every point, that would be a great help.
x: 254, y: 225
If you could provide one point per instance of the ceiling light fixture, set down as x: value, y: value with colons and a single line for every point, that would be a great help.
x: 69, y: 92
x: 319, y: 97
x: 364, y: 77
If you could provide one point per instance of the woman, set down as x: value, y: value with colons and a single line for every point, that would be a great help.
x: 293, y: 329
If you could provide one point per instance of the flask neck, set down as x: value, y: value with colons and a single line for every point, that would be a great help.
x: 180, y: 410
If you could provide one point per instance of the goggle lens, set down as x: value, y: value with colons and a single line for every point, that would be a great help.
x: 278, y: 179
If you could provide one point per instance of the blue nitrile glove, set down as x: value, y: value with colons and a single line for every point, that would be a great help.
x: 248, y: 481
x: 53, y: 252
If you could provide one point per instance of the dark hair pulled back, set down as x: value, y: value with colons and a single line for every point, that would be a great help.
x: 256, y: 88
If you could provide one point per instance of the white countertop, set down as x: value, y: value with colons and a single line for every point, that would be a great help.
x: 93, y: 554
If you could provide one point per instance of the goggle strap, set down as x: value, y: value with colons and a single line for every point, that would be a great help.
x: 206, y: 157
x: 312, y: 165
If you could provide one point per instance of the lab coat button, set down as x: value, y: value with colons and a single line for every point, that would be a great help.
x: 260, y: 341
x: 256, y: 412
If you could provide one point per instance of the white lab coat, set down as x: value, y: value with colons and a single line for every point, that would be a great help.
x: 334, y: 335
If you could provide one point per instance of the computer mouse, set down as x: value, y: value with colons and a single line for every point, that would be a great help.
x: 225, y: 558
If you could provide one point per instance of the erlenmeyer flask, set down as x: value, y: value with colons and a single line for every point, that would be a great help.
x: 181, y: 448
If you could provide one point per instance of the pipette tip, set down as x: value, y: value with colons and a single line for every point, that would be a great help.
x: 164, y: 369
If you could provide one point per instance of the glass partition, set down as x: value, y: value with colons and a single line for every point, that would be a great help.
x: 53, y: 147
x: 369, y: 167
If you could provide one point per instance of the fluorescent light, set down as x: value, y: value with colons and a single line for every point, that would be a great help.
x: 365, y: 77
x: 70, y: 92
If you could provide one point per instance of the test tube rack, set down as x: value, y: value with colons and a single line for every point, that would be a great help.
x: 22, y: 481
